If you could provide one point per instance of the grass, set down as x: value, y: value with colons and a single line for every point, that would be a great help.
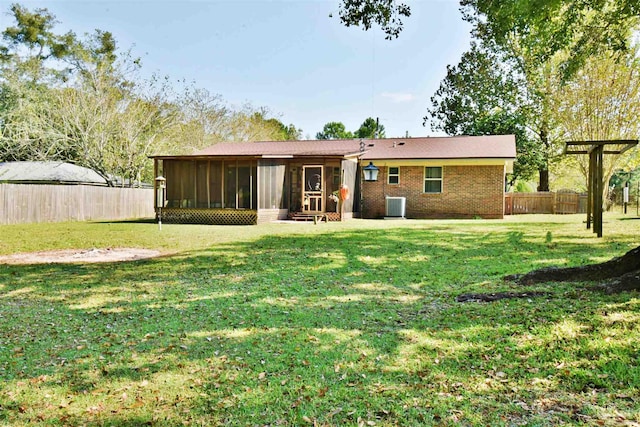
x: 350, y: 323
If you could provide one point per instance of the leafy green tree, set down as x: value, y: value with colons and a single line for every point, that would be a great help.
x: 602, y: 102
x: 388, y: 14
x: 334, y: 130
x: 27, y: 51
x: 484, y: 95
x: 370, y: 128
x: 507, y: 77
x: 547, y: 27
x: 293, y: 133
x: 529, y: 156
x: 255, y: 124
x: 553, y: 40
x: 483, y: 81
x: 30, y: 44
x: 284, y: 132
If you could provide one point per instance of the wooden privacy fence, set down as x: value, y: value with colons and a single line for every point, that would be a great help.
x: 545, y: 203
x: 26, y: 203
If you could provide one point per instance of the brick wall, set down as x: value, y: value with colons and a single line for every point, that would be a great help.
x: 467, y: 192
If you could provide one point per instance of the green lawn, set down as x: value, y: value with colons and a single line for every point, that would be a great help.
x: 350, y: 323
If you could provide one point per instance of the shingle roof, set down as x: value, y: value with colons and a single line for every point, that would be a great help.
x: 58, y: 172
x: 456, y: 147
x: 340, y: 147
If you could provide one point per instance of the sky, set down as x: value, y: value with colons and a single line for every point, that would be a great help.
x: 290, y: 56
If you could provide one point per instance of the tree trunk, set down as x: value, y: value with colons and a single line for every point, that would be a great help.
x: 616, y: 275
x: 543, y: 171
x: 544, y: 179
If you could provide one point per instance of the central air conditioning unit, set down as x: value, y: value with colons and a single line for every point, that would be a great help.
x: 395, y: 207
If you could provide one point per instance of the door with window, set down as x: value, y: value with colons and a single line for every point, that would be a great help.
x: 313, y: 191
x: 240, y: 186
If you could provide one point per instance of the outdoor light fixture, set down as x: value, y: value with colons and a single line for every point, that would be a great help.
x: 160, y: 188
x: 370, y: 172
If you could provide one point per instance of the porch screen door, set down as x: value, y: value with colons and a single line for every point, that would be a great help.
x: 313, y: 192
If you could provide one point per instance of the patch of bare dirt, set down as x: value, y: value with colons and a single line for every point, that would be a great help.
x: 79, y: 256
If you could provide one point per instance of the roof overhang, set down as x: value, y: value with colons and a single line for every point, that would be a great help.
x: 254, y: 156
x: 443, y: 162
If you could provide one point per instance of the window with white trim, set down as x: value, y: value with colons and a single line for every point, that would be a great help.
x: 394, y: 175
x: 433, y: 179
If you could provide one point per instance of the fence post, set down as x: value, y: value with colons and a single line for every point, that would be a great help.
x: 511, y: 203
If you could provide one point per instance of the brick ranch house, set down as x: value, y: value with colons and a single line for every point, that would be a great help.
x: 448, y: 177
x: 255, y: 182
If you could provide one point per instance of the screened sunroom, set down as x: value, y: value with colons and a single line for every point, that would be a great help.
x: 245, y: 188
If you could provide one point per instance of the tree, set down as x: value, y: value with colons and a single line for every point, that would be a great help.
x: 535, y: 71
x: 22, y: 109
x: 545, y: 28
x: 553, y: 41
x: 484, y: 95
x: 206, y: 119
x: 483, y: 81
x: 202, y: 121
x: 31, y: 43
x: 66, y: 98
x: 334, y: 130
x: 31, y: 56
x: 283, y: 132
x: 109, y: 121
x: 499, y: 122
x: 602, y: 102
x: 27, y: 49
x: 371, y: 129
x: 386, y: 13
x: 255, y: 124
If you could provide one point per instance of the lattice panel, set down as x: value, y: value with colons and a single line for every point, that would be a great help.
x: 333, y: 216
x: 209, y: 216
x: 299, y: 216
